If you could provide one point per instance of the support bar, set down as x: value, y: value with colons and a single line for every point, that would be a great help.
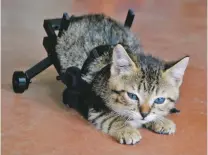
x: 39, y: 67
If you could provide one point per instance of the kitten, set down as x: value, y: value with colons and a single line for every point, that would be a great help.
x: 129, y: 89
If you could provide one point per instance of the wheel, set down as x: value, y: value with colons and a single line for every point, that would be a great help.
x: 20, y: 82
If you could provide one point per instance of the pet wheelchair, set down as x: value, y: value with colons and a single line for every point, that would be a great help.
x: 72, y: 77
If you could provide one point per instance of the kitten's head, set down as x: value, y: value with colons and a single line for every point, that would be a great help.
x: 142, y: 87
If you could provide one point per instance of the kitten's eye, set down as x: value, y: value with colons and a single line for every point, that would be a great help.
x: 132, y: 96
x: 159, y: 100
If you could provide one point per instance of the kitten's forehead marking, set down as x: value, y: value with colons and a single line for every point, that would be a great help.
x: 149, y: 79
x: 150, y: 72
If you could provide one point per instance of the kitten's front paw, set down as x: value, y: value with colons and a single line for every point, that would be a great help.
x: 128, y: 135
x: 163, y: 126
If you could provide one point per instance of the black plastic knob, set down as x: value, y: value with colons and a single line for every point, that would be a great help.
x: 72, y: 77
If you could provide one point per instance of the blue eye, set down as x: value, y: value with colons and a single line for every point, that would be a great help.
x: 159, y: 100
x: 132, y: 96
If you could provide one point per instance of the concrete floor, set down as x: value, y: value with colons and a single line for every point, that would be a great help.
x: 36, y: 122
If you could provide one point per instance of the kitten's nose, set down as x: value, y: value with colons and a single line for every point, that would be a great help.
x: 144, y: 114
x: 144, y: 110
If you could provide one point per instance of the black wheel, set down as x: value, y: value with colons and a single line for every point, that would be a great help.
x: 20, y: 82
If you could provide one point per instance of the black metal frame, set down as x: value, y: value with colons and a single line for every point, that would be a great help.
x: 21, y: 80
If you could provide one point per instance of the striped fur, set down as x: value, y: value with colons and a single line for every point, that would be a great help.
x: 145, y: 76
x: 87, y: 32
x: 113, y: 71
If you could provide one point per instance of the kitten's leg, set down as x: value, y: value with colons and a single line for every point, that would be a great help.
x: 115, y: 126
x: 161, y: 126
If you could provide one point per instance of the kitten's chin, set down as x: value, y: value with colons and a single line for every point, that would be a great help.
x: 138, y: 122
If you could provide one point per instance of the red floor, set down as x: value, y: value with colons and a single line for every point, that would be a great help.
x: 36, y: 123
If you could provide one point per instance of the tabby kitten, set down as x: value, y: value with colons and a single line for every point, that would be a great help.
x: 129, y: 89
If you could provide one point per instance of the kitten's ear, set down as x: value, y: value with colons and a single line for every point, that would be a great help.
x: 122, y: 63
x: 176, y: 70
